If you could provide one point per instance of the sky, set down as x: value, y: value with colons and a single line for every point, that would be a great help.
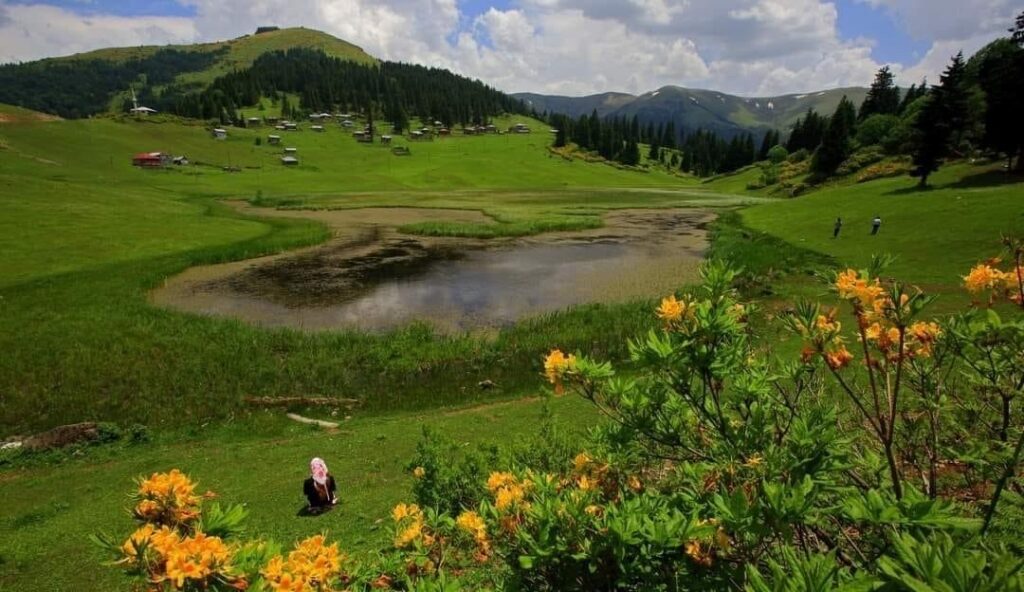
x: 569, y: 47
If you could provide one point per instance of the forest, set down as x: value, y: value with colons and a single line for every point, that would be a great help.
x: 393, y: 89
x: 79, y: 88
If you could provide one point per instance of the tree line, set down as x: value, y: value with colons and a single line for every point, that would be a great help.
x: 618, y: 139
x: 393, y: 90
x: 74, y: 88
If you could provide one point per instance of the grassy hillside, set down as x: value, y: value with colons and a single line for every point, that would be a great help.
x: 936, y: 234
x: 12, y: 114
x: 604, y: 103
x: 238, y: 53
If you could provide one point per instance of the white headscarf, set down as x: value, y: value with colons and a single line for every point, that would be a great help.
x: 318, y: 468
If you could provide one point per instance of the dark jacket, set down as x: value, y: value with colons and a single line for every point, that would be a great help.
x: 315, y: 496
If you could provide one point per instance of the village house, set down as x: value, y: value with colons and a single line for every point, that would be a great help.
x: 151, y: 159
x: 317, y: 128
x: 220, y: 133
x: 385, y: 139
x: 289, y: 160
x: 252, y: 122
x: 273, y: 140
x: 142, y: 111
x: 290, y: 151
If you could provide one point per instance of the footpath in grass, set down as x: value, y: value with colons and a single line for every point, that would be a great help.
x: 49, y: 510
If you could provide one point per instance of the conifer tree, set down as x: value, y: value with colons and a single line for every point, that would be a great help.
x: 835, y: 144
x: 883, y: 97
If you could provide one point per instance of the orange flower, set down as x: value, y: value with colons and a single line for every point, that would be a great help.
x: 828, y: 323
x: 851, y: 286
x: 838, y: 358
x: 983, y: 277
x: 671, y: 310
x: 698, y: 554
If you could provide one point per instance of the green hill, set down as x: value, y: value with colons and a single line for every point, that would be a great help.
x: 235, y: 54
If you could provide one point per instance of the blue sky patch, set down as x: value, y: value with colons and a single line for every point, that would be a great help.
x: 892, y: 44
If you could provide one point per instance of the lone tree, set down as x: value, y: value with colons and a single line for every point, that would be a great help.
x: 883, y: 97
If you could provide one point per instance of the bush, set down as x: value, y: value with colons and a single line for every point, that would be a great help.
x: 777, y: 154
x: 799, y: 156
x: 874, y: 130
x: 448, y: 478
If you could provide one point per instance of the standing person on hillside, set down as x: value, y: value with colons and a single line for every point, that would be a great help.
x: 876, y: 224
x: 320, y: 488
x: 837, y: 228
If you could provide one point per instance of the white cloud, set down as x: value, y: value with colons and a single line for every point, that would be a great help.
x: 33, y: 31
x: 948, y: 20
x: 753, y: 47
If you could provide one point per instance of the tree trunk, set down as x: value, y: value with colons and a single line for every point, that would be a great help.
x: 894, y: 471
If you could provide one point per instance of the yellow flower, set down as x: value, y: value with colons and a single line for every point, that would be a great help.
x: 472, y: 523
x: 983, y: 277
x: 754, y: 461
x: 593, y: 510
x: 827, y: 323
x: 722, y: 540
x: 507, y: 497
x: 402, y: 511
x: 419, y: 472
x: 497, y: 480
x: 409, y: 534
x: 556, y: 364
x: 581, y: 461
x: 671, y: 310
x: 585, y: 483
x: 634, y: 483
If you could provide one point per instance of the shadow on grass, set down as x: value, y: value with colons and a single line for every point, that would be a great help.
x: 306, y: 512
x: 912, y: 190
x: 994, y: 178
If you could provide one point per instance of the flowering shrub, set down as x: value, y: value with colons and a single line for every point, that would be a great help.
x: 167, y: 499
x: 873, y: 460
x: 312, y: 566
x: 170, y: 550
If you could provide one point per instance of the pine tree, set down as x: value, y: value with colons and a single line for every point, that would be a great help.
x: 835, y: 144
x: 883, y: 96
x: 930, y: 138
x: 953, y: 99
x: 1001, y: 77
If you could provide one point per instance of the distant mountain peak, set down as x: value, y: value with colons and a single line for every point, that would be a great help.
x: 691, y: 109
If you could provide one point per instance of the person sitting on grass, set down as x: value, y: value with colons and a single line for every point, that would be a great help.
x: 319, y: 488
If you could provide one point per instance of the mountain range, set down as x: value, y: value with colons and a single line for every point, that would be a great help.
x: 692, y: 109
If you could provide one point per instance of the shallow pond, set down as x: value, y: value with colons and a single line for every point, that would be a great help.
x: 369, y: 277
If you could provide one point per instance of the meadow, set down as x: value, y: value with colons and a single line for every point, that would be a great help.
x: 85, y: 236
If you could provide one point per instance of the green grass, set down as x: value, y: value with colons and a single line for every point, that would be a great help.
x: 936, y: 234
x: 85, y: 236
x: 49, y: 510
